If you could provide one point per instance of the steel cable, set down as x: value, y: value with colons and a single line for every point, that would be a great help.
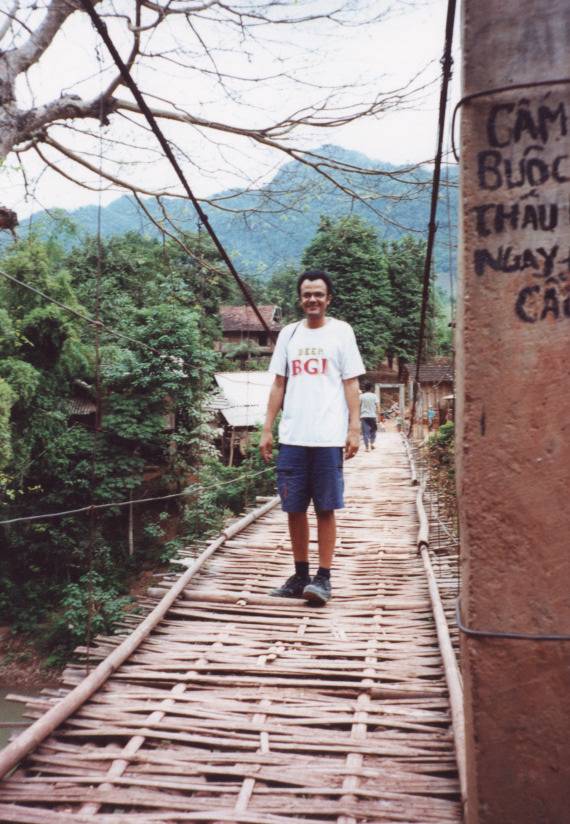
x: 447, y: 62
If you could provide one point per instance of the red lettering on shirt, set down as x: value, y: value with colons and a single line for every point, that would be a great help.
x: 311, y: 366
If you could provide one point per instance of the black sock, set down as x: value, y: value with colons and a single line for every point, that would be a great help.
x: 302, y: 568
x: 324, y: 572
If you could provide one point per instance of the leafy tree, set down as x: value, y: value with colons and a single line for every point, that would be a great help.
x: 139, y: 271
x: 405, y: 271
x: 282, y: 290
x: 349, y: 250
x: 406, y: 264
x: 51, y: 461
x: 6, y: 401
x: 443, y: 324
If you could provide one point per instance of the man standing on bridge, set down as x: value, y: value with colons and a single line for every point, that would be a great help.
x: 316, y: 364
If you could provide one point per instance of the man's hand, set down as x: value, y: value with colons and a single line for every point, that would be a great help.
x: 352, y: 443
x: 353, y: 402
x: 266, y: 446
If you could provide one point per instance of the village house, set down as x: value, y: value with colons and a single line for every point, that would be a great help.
x: 239, y: 404
x: 435, y: 389
x: 241, y: 325
x: 388, y: 386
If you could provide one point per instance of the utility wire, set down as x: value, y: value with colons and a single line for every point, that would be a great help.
x: 93, y: 321
x: 191, y: 490
x: 135, y: 91
x: 446, y: 62
x: 98, y: 324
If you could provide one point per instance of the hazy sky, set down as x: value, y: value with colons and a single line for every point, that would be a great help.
x: 371, y: 59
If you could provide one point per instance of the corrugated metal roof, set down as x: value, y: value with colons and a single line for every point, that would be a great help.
x: 244, y: 396
x: 80, y: 406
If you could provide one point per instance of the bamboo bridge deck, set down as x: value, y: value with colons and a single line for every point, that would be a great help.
x: 243, y: 708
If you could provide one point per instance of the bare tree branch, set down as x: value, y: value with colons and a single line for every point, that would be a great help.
x: 20, y: 59
x: 5, y: 28
x: 214, y: 44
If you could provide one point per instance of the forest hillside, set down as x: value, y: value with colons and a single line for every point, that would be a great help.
x: 267, y: 230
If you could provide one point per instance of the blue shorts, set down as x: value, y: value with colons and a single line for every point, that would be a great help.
x: 310, y: 472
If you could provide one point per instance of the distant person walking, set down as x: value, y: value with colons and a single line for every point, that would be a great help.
x: 369, y: 416
x: 316, y: 364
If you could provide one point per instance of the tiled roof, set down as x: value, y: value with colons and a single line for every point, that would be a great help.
x: 439, y: 370
x: 243, y: 318
x: 383, y: 375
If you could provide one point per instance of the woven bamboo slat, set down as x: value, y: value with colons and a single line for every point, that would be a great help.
x: 238, y: 707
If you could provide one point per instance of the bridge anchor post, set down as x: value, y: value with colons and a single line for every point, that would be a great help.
x: 513, y: 404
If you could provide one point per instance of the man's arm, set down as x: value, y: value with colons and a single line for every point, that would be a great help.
x: 273, y: 406
x: 353, y: 403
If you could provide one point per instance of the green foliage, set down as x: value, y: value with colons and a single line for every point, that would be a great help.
x: 226, y: 490
x: 153, y: 437
x: 378, y: 289
x: 22, y: 378
x: 7, y: 398
x: 281, y: 217
x: 444, y: 437
x: 443, y: 336
x: 7, y: 331
x: 282, y: 290
x: 151, y: 434
x: 405, y: 271
x: 349, y: 250
x: 441, y: 450
x: 90, y: 605
x: 244, y: 356
x: 441, y: 460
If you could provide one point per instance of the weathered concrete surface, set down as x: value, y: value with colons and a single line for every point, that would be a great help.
x: 514, y: 409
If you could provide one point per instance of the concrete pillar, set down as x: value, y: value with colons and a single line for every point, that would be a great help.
x: 513, y: 409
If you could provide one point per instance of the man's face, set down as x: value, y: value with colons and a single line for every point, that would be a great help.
x: 314, y: 298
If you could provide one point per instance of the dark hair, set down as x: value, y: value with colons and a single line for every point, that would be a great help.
x: 368, y: 386
x: 315, y: 274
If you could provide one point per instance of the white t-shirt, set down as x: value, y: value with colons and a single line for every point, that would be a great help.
x: 368, y: 404
x: 315, y: 412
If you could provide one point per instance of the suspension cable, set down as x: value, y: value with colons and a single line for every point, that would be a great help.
x: 190, y: 490
x: 93, y: 525
x: 86, y: 318
x: 447, y: 62
x: 151, y: 120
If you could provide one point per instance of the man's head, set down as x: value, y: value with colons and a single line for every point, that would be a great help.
x: 368, y: 387
x: 315, y: 291
x: 312, y: 275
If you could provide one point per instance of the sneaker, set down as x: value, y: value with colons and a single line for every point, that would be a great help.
x: 372, y: 447
x: 318, y: 591
x: 292, y: 588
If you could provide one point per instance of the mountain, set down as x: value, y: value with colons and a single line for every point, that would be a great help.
x: 268, y: 229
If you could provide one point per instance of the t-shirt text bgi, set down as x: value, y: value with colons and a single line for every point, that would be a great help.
x: 315, y: 412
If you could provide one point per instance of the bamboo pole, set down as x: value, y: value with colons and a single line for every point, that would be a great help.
x: 411, y: 460
x: 423, y: 531
x: 451, y: 669
x: 192, y: 693
x: 452, y: 676
x: 30, y: 738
